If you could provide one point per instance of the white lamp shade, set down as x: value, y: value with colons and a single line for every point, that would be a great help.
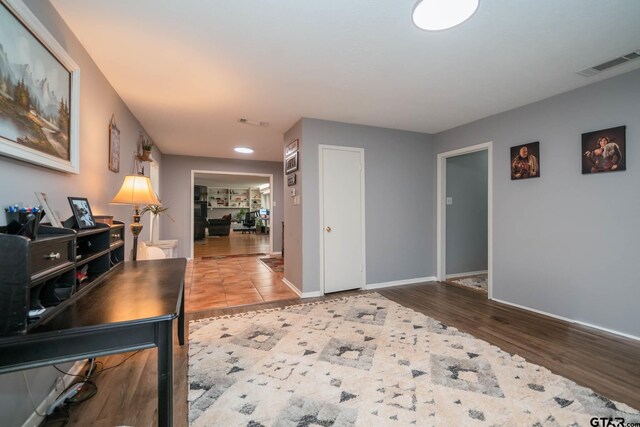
x: 136, y: 190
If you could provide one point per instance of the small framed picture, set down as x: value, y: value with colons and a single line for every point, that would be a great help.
x: 604, y: 150
x: 525, y: 161
x: 114, y: 146
x: 291, y: 163
x: 292, y: 147
x: 291, y: 180
x: 82, y: 212
x: 51, y: 215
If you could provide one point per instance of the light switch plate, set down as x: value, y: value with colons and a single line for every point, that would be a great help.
x: 449, y: 200
x: 296, y: 200
x: 292, y: 192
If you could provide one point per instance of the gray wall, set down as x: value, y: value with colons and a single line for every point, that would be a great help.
x: 399, y: 206
x: 98, y: 101
x: 467, y: 217
x: 175, y: 181
x: 566, y: 243
x: 293, y: 214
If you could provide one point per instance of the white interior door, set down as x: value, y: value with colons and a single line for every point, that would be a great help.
x: 154, y: 176
x: 342, y: 218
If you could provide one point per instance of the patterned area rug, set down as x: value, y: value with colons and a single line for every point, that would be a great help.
x: 367, y: 361
x: 479, y: 282
x: 274, y: 263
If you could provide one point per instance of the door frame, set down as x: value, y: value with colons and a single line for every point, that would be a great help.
x: 441, y: 209
x: 193, y: 174
x: 321, y: 147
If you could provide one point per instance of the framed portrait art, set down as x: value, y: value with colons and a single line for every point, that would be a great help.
x: 292, y: 147
x: 82, y: 212
x: 604, y: 150
x: 291, y: 163
x: 39, y: 93
x: 525, y: 161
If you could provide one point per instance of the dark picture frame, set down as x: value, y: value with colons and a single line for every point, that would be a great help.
x: 114, y: 146
x: 291, y: 180
x: 604, y: 150
x: 292, y: 147
x: 525, y: 161
x: 82, y: 212
x: 38, y: 123
x: 291, y: 163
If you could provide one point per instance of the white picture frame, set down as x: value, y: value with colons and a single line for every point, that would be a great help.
x: 51, y: 215
x: 69, y: 162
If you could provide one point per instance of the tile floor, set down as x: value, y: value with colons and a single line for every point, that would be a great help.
x: 229, y: 282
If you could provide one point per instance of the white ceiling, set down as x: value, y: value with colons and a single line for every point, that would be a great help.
x: 189, y: 69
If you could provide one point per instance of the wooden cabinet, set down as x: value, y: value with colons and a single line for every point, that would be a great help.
x: 38, y: 276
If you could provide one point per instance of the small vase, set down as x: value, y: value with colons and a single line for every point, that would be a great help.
x: 145, y: 156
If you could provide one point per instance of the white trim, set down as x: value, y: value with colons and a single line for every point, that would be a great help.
x: 311, y: 294
x: 401, y: 282
x: 321, y: 147
x: 441, y: 178
x: 34, y: 419
x: 275, y: 253
x: 193, y: 174
x: 17, y: 151
x: 292, y: 286
x: 470, y: 273
x: 566, y: 319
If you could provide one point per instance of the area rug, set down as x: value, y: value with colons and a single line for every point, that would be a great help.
x: 479, y: 282
x: 274, y: 263
x: 367, y: 361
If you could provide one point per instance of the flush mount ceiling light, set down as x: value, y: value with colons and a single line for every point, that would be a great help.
x: 437, y: 15
x: 243, y: 150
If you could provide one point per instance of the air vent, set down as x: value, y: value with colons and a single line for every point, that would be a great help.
x: 246, y: 121
x: 610, y: 64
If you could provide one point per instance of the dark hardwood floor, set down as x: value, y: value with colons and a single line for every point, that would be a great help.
x: 604, y: 362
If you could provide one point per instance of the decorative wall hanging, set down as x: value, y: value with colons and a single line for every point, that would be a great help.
x: 292, y: 147
x: 525, y: 161
x: 39, y: 93
x: 291, y: 180
x: 114, y: 146
x: 291, y: 163
x: 604, y: 150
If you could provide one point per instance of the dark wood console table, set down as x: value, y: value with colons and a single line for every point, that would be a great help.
x: 133, y: 308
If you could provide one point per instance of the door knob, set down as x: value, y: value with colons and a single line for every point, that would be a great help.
x: 328, y: 229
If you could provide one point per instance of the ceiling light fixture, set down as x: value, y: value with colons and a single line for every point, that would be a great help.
x: 437, y: 15
x: 243, y: 150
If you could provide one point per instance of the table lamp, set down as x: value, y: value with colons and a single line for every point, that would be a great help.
x: 136, y: 190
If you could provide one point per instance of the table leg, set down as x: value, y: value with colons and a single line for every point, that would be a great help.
x: 165, y: 373
x: 181, y: 320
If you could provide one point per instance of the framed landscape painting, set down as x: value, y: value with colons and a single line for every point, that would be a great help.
x: 39, y: 93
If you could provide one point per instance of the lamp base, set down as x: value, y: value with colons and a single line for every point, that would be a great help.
x: 135, y: 228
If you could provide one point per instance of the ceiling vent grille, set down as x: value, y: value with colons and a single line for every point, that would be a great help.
x: 246, y: 121
x: 610, y: 64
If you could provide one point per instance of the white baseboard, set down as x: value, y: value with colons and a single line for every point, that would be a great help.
x: 311, y: 294
x: 400, y: 282
x: 470, y: 273
x: 566, y: 319
x: 34, y: 420
x: 292, y: 286
x: 275, y: 253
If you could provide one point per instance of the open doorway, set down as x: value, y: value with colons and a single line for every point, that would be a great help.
x: 231, y: 214
x: 464, y: 218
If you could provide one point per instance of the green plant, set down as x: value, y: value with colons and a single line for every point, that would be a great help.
x: 259, y: 222
x: 147, y: 144
x: 156, y: 210
x: 240, y: 215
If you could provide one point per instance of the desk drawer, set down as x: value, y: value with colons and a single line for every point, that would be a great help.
x: 49, y: 256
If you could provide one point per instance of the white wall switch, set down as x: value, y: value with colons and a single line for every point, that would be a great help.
x: 292, y: 192
x: 296, y: 200
x: 449, y: 200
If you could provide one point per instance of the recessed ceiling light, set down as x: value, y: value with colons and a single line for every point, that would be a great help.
x: 437, y: 15
x: 243, y: 150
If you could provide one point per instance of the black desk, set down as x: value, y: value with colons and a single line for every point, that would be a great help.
x: 131, y: 309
